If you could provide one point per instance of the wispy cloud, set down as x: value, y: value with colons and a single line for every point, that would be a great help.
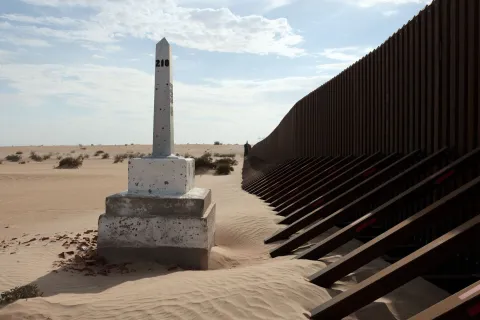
x: 390, y: 13
x: 205, y: 29
x: 372, y: 3
x: 339, y: 59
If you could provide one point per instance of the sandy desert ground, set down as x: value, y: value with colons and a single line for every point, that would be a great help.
x: 46, y: 212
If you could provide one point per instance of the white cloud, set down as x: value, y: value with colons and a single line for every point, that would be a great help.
x: 390, y: 13
x: 19, y: 41
x: 205, y: 29
x: 96, y: 56
x: 343, y: 57
x: 372, y: 3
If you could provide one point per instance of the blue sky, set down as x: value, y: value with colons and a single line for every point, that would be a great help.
x: 81, y: 71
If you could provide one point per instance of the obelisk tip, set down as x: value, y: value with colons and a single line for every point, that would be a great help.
x: 163, y: 42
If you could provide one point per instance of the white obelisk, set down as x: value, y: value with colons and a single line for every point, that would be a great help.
x: 162, y: 217
x: 163, y: 139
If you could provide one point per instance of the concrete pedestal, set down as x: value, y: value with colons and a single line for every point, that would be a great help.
x: 161, y: 217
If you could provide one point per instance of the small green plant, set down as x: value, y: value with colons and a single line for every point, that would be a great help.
x: 13, y: 157
x: 19, y: 152
x: 17, y: 293
x: 223, y: 169
x: 35, y: 157
x: 105, y: 156
x: 99, y: 152
x: 70, y: 163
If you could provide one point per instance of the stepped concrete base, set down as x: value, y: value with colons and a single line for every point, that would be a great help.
x: 194, y: 203
x: 168, y: 229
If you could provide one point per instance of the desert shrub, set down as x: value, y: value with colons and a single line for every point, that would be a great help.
x: 119, y: 158
x: 73, y: 151
x: 1, y: 161
x: 105, y: 156
x: 224, y: 155
x: 13, y: 157
x: 204, y: 162
x: 59, y: 157
x: 86, y: 156
x: 22, y: 162
x: 70, y: 163
x: 83, y: 148
x: 17, y: 293
x: 217, y: 143
x: 35, y: 157
x: 47, y: 156
x: 99, y: 152
x: 223, y: 169
x: 188, y: 155
x: 229, y: 161
x: 19, y: 152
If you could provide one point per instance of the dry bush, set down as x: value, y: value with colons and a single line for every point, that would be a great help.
x: 105, y: 156
x: 17, y: 293
x: 35, y: 157
x: 99, y: 152
x: 13, y: 157
x: 217, y: 143
x: 119, y: 158
x: 229, y: 161
x: 224, y: 155
x: 19, y: 152
x: 223, y: 169
x: 59, y: 157
x: 70, y: 163
x: 22, y: 162
x: 47, y: 156
x: 86, y: 156
x: 73, y: 151
x: 1, y: 161
x: 204, y: 163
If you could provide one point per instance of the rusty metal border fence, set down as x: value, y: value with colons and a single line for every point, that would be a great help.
x: 418, y: 90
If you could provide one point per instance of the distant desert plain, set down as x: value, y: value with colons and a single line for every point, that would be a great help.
x: 48, y: 230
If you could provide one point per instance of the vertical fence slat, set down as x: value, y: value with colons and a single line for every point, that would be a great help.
x: 453, y: 72
x: 429, y: 78
x: 445, y: 78
x: 437, y: 120
x: 417, y: 84
x: 462, y: 74
x: 423, y: 87
x: 401, y: 92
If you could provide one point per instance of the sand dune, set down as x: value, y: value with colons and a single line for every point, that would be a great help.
x: 42, y: 208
